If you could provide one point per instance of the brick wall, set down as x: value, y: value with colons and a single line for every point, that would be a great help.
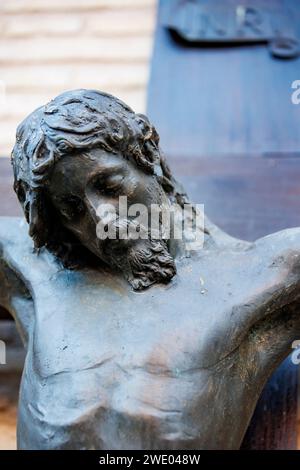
x: 48, y: 46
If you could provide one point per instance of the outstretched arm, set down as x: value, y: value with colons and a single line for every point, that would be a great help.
x: 15, y: 296
x: 275, y: 323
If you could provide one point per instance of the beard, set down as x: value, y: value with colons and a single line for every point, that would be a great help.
x: 143, y: 262
x: 150, y: 263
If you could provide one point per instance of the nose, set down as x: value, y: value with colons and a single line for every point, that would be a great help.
x: 98, y: 205
x: 92, y: 204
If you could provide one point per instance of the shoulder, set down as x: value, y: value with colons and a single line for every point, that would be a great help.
x: 14, y: 294
x: 12, y: 236
x: 284, y: 244
x: 15, y: 242
x: 10, y: 223
x: 279, y: 257
x: 17, y: 251
x: 12, y: 231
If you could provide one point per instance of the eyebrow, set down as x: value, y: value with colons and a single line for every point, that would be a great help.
x: 107, y: 170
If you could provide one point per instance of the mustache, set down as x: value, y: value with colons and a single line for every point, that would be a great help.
x: 125, y: 229
x: 132, y: 250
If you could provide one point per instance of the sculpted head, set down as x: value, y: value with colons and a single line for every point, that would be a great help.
x: 83, y: 149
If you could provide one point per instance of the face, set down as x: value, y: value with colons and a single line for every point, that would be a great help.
x: 82, y: 183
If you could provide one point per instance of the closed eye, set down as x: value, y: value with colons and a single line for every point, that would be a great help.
x: 71, y: 206
x: 109, y: 185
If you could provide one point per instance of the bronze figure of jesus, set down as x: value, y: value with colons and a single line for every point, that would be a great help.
x: 133, y: 343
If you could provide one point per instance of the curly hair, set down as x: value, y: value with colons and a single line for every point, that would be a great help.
x: 73, y: 122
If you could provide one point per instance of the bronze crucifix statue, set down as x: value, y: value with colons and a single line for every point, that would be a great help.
x: 133, y: 343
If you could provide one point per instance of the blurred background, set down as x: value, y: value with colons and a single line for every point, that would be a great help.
x: 224, y: 113
x: 47, y: 47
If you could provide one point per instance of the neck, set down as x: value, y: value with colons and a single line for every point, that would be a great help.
x: 206, y: 237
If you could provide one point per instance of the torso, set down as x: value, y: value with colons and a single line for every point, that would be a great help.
x: 111, y: 368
